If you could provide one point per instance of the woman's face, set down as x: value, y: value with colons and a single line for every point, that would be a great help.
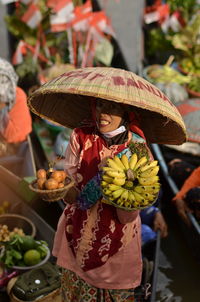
x: 108, y: 115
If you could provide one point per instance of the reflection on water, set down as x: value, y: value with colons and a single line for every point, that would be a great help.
x: 178, y: 276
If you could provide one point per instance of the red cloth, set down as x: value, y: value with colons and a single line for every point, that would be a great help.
x: 19, y: 123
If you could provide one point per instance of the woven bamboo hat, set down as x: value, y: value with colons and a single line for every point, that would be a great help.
x: 66, y: 100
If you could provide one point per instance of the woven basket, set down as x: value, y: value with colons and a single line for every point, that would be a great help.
x: 52, y: 195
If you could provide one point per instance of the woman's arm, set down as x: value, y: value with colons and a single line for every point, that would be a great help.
x: 71, y: 162
x: 125, y: 216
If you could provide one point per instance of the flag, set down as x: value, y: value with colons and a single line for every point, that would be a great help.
x: 63, y: 14
x: 19, y: 52
x: 32, y: 16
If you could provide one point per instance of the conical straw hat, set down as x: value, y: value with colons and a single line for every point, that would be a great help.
x: 66, y: 99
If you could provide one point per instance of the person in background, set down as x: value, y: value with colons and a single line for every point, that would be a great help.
x: 15, y: 118
x: 188, y: 197
x: 152, y: 221
x: 98, y: 245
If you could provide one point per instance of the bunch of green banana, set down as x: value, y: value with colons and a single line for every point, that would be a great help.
x: 131, y: 183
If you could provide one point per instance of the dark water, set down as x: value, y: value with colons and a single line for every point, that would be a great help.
x: 179, y: 270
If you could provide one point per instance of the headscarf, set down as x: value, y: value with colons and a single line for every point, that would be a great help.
x: 8, y: 83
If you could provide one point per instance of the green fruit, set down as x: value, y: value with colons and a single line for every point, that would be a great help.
x: 28, y: 243
x: 32, y: 257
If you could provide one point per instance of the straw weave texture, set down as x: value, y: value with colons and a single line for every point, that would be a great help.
x: 66, y: 100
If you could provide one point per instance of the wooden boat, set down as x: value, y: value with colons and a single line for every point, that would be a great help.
x: 22, y: 163
x: 9, y: 192
x: 164, y: 155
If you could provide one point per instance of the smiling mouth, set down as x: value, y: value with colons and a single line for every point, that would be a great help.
x: 103, y: 123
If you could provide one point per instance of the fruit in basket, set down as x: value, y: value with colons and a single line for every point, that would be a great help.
x: 130, y: 183
x: 41, y: 173
x: 51, y: 184
x: 51, y: 179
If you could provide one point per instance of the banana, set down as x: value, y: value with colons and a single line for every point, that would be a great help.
x: 150, y: 172
x: 133, y: 161
x: 115, y: 173
x: 113, y: 187
x: 148, y: 181
x: 105, y: 169
x: 120, y: 202
x: 151, y: 164
x: 107, y: 178
x: 124, y: 195
x: 119, y: 181
x: 118, y: 161
x: 104, y: 184
x: 127, y: 204
x: 112, y: 164
x: 138, y: 197
x: 131, y: 197
x: 140, y: 163
x: 125, y: 161
x: 117, y: 193
x: 149, y: 189
x: 107, y: 192
x: 149, y: 196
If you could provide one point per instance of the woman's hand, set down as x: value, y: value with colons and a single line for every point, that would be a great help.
x: 71, y: 195
x: 160, y: 224
x: 182, y: 210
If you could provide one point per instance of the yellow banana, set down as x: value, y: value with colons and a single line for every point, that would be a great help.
x: 107, y: 178
x: 138, y: 197
x: 151, y: 164
x: 148, y: 181
x: 133, y: 161
x: 120, y: 202
x: 124, y: 195
x: 119, y: 181
x: 113, y: 187
x: 131, y: 197
x: 125, y: 161
x: 118, y: 161
x: 148, y: 189
x: 112, y: 164
x: 106, y: 191
x: 105, y: 169
x: 127, y: 204
x: 140, y: 162
x: 117, y: 193
x: 113, y: 173
x: 104, y: 184
x: 149, y: 196
x: 150, y: 172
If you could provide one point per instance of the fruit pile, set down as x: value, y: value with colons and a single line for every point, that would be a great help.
x: 130, y: 184
x: 51, y: 179
x: 22, y: 250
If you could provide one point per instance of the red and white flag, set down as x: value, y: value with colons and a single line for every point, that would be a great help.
x: 100, y: 20
x: 32, y: 16
x: 63, y: 14
x: 19, y: 52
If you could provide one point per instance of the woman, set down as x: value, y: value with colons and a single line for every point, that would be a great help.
x: 98, y: 245
x: 15, y: 118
